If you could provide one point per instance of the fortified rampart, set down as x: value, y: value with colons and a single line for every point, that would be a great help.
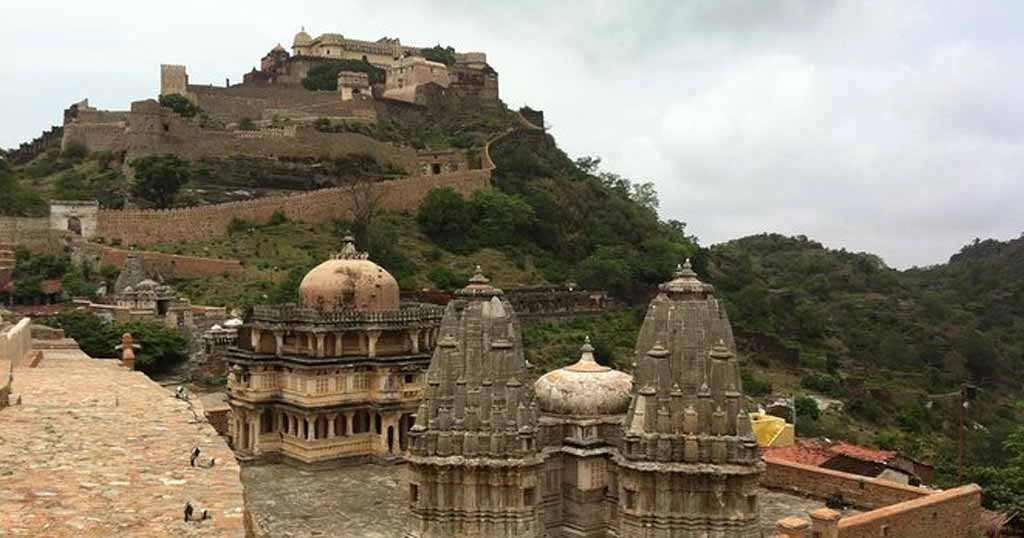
x: 233, y: 103
x: 148, y: 227
x: 30, y: 150
x: 154, y: 129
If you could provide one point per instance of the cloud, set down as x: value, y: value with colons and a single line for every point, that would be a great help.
x: 890, y: 127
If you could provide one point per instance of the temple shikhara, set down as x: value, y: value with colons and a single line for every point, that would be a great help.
x: 586, y: 451
x: 339, y: 375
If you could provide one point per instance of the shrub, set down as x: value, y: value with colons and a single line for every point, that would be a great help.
x: 159, y: 346
x: 278, y: 217
x: 806, y: 409
x: 823, y: 383
x: 446, y: 218
x: 324, y: 77
x: 755, y: 386
x: 246, y: 124
x: 446, y: 279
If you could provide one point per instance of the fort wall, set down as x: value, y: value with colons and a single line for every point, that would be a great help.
x: 173, y: 265
x: 32, y: 233
x: 148, y: 227
x: 860, y: 491
x: 30, y: 150
x: 233, y: 103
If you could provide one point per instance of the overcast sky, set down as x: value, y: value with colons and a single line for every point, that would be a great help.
x: 893, y: 127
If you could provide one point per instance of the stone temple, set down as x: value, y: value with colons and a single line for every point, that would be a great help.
x: 586, y: 451
x: 337, y: 376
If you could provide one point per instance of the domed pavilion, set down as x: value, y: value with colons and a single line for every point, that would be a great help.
x: 338, y: 375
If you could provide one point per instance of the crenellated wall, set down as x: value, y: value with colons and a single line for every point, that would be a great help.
x: 149, y: 227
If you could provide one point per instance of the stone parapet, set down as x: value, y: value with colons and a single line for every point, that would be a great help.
x: 352, y: 318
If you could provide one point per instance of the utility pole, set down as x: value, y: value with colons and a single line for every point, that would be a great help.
x: 967, y: 394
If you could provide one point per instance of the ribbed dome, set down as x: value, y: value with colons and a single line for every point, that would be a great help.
x: 349, y: 281
x: 584, y: 389
x: 302, y: 39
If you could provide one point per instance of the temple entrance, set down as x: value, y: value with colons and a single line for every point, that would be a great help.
x: 391, y: 439
x: 75, y: 225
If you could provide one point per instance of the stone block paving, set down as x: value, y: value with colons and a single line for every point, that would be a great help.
x: 371, y: 501
x: 95, y: 450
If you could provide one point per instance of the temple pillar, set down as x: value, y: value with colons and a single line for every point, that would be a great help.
x: 310, y: 428
x: 414, y: 338
x: 254, y: 340
x: 348, y: 423
x: 372, y: 337
x: 338, y: 344
x: 330, y: 426
x: 310, y: 345
x: 254, y: 435
x: 320, y: 344
x: 279, y: 342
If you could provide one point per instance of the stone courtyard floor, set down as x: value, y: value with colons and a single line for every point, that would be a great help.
x: 95, y: 450
x: 369, y: 501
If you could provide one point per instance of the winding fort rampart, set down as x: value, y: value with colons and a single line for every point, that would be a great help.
x: 150, y: 227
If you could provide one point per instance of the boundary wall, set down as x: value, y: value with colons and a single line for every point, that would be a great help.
x: 15, y: 345
x: 150, y: 227
x: 860, y: 491
x: 894, y: 510
x: 173, y: 265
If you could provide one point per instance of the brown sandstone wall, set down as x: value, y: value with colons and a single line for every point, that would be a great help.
x: 263, y: 102
x: 96, y: 136
x: 174, y: 265
x: 32, y: 233
x: 954, y: 513
x: 862, y: 492
x: 148, y: 227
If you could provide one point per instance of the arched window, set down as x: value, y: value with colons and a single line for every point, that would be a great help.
x: 75, y: 225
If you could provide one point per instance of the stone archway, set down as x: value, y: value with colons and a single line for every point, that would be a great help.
x: 75, y: 225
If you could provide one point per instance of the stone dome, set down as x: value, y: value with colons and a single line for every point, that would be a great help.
x: 349, y: 281
x: 302, y: 39
x: 585, y: 388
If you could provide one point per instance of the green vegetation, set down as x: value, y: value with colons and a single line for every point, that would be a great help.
x: 159, y: 178
x: 246, y: 124
x: 160, y: 348
x: 180, y: 104
x: 30, y: 270
x: 18, y: 201
x: 324, y: 77
x: 437, y: 53
x: 892, y: 346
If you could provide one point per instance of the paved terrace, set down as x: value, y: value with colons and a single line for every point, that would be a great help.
x: 370, y: 501
x: 95, y: 450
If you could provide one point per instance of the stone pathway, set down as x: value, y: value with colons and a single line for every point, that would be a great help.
x: 99, y: 451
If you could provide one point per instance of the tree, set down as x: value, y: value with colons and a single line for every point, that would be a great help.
x: 806, y: 409
x: 180, y: 104
x: 437, y: 53
x: 446, y: 218
x: 324, y: 77
x: 367, y: 198
x: 159, y: 178
x: 160, y: 347
x: 499, y: 219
